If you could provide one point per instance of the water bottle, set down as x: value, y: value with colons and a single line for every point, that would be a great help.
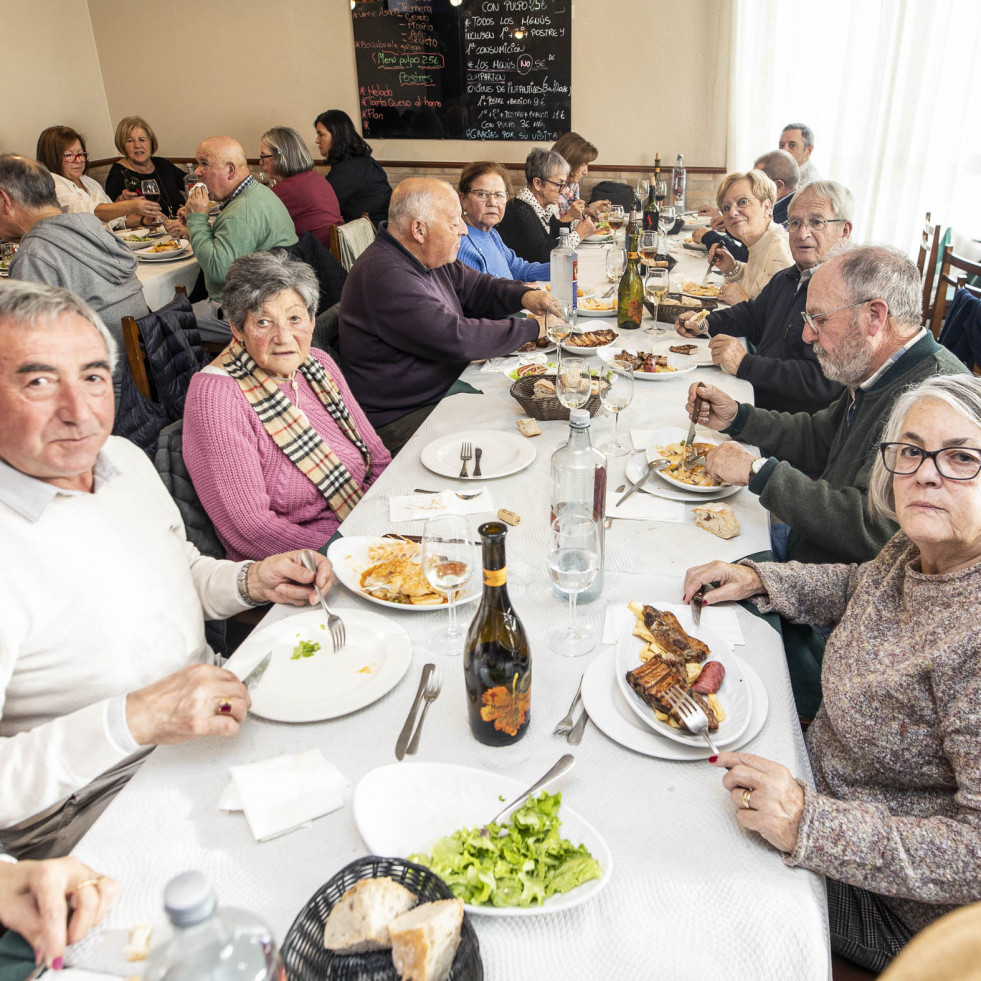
x: 578, y: 482
x: 679, y: 183
x: 211, y: 944
x: 564, y: 274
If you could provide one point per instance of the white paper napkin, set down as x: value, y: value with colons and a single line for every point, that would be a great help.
x: 720, y: 620
x: 641, y: 506
x: 419, y: 507
x: 282, y: 793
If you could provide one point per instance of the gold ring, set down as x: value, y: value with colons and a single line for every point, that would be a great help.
x: 224, y: 707
x: 87, y: 882
x: 746, y: 795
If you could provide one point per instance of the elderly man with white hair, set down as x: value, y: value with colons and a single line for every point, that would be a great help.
x: 102, y: 647
x: 798, y: 140
x: 412, y: 316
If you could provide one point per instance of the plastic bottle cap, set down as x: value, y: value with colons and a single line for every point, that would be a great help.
x: 189, y: 899
x: 579, y: 418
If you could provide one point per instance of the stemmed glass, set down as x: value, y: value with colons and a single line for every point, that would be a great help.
x: 447, y: 560
x: 573, y: 561
x: 558, y: 325
x: 616, y: 392
x: 616, y: 263
x: 573, y: 383
x: 616, y: 219
x: 647, y: 246
x: 668, y: 217
x: 655, y: 290
x: 150, y: 190
x: 643, y: 190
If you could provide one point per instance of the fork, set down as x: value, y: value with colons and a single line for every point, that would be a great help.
x: 695, y: 720
x: 463, y: 497
x: 565, y: 725
x: 575, y: 735
x: 334, y: 623
x: 433, y: 687
x: 466, y: 452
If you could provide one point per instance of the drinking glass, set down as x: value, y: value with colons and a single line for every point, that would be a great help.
x: 150, y: 190
x: 647, y: 246
x: 447, y: 560
x: 616, y: 263
x: 643, y: 189
x: 660, y: 191
x: 616, y: 385
x: 573, y: 561
x: 616, y: 219
x: 655, y: 290
x: 573, y: 383
x: 559, y: 321
x: 668, y: 217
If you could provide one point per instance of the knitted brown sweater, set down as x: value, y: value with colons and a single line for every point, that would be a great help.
x: 895, y: 746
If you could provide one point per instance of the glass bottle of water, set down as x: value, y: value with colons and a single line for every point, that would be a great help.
x: 564, y: 274
x: 578, y: 483
x: 211, y: 944
x: 679, y: 184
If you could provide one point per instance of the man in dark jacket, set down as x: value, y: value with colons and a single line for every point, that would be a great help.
x: 783, y: 369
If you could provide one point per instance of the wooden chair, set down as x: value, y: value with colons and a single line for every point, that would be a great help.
x: 926, y: 263
x: 948, y: 282
x: 349, y: 240
x: 136, y: 355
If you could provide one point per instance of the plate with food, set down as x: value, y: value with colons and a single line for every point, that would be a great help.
x: 165, y: 251
x: 307, y: 681
x: 388, y: 571
x: 582, y: 292
x: 138, y: 238
x: 693, y: 246
x: 588, y: 342
x: 659, y: 654
x: 502, y: 454
x: 699, y: 292
x: 601, y: 236
x: 412, y: 809
x: 540, y: 346
x: 687, y: 350
x: 648, y: 365
x: 671, y: 490
x: 598, y: 306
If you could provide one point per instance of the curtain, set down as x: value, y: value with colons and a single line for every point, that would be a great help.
x: 886, y: 85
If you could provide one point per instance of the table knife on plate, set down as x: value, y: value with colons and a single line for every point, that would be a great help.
x: 252, y: 679
x: 651, y: 467
x: 403, y: 741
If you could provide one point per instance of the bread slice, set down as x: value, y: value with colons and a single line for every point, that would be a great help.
x: 543, y: 389
x: 424, y: 940
x: 360, y: 918
x: 717, y: 518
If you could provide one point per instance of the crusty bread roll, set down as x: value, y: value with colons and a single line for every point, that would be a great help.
x: 528, y: 427
x: 360, y: 918
x: 717, y: 518
x: 544, y: 389
x: 424, y: 940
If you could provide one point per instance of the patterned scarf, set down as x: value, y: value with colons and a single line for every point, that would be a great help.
x: 291, y: 430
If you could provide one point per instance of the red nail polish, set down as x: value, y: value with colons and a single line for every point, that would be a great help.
x: 712, y: 759
x: 57, y: 964
x: 705, y: 602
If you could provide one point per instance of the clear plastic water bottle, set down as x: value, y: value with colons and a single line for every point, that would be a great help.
x: 564, y: 273
x: 211, y: 944
x: 679, y: 184
x: 578, y: 482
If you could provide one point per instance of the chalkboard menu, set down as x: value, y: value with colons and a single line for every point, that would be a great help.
x: 479, y: 70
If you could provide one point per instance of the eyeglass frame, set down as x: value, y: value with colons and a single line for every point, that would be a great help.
x: 810, y: 321
x: 70, y: 157
x: 269, y: 156
x: 931, y: 454
x: 483, y: 195
x: 813, y: 224
x: 558, y: 184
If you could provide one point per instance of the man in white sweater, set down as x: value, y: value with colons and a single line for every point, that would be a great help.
x: 102, y: 649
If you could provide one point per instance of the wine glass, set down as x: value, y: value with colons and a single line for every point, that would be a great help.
x: 643, y: 190
x: 616, y: 386
x: 655, y: 290
x: 668, y: 217
x: 559, y: 319
x: 616, y: 263
x: 150, y: 190
x: 447, y: 561
x: 647, y: 246
x: 573, y: 383
x: 573, y: 561
x: 660, y: 191
x: 616, y: 219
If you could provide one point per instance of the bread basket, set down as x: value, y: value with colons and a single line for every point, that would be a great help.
x: 545, y: 409
x: 671, y: 307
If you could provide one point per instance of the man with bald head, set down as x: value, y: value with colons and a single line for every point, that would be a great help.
x: 251, y: 219
x: 412, y: 316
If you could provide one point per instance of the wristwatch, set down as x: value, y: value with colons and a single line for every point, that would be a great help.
x: 756, y: 466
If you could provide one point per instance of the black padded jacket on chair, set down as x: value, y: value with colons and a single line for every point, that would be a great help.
x: 330, y: 273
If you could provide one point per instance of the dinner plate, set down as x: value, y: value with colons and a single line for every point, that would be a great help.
x: 734, y: 694
x: 701, y: 358
x: 634, y: 471
x: 609, y: 354
x: 694, y: 246
x: 608, y: 709
x: 146, y: 237
x: 326, y: 685
x: 503, y: 454
x: 703, y: 296
x: 612, y: 312
x: 404, y: 808
x: 349, y: 557
x: 671, y: 434
x: 585, y: 352
x: 585, y: 292
x: 597, y: 239
x: 180, y: 253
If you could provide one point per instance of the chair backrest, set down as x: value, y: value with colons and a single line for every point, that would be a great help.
x: 330, y: 273
x: 954, y: 272
x: 351, y: 238
x: 961, y: 333
x: 136, y: 358
x: 926, y: 263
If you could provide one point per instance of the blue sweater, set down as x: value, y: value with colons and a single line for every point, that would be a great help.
x: 487, y: 253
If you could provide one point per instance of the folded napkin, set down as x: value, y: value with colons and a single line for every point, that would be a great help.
x: 418, y: 507
x: 641, y: 506
x: 720, y: 620
x: 284, y: 792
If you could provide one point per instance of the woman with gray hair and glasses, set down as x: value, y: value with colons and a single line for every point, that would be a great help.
x: 277, y: 446
x: 530, y: 225
x: 894, y: 816
x: 310, y: 200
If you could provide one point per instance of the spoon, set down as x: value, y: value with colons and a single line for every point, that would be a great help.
x: 562, y: 766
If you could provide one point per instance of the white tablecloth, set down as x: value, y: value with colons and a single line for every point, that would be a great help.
x: 691, y: 894
x: 160, y: 279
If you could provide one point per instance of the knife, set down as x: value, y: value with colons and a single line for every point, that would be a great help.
x: 252, y: 679
x: 696, y: 602
x: 690, y: 438
x: 708, y: 272
x: 406, y: 733
x: 651, y: 467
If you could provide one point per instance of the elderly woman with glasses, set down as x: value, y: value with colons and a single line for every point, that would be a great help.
x: 62, y: 151
x: 531, y: 224
x: 894, y: 816
x: 309, y: 199
x: 484, y: 190
x: 746, y: 203
x: 277, y: 447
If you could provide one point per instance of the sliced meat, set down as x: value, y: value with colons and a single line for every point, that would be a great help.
x: 710, y: 680
x: 671, y: 639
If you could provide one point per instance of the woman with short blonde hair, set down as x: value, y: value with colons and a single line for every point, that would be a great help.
x: 137, y: 142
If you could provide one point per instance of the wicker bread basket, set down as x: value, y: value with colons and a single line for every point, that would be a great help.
x: 545, y: 409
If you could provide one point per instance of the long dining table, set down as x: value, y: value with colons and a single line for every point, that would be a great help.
x: 690, y: 893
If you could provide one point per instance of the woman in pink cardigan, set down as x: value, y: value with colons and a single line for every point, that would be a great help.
x: 277, y: 447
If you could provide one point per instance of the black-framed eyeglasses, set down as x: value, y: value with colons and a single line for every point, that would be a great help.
x: 812, y: 321
x: 71, y: 156
x: 558, y: 184
x: 952, y: 462
x: 267, y: 156
x: 814, y: 224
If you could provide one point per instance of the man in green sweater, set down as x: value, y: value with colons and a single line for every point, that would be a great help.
x: 251, y: 219
x: 863, y: 319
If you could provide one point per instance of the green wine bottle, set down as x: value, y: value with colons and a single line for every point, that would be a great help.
x: 652, y: 210
x: 496, y: 657
x: 630, y: 297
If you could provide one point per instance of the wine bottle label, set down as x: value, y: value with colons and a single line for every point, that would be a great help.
x: 631, y: 256
x: 495, y: 577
